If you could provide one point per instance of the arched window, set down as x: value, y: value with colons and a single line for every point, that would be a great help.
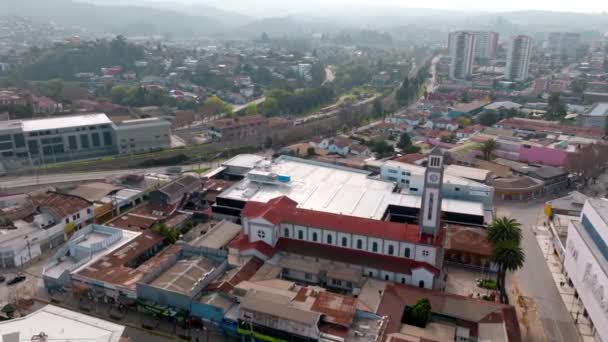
x: 421, y: 284
x: 286, y: 234
x: 374, y: 247
x: 314, y: 237
x: 407, y: 253
x: 359, y: 244
x: 300, y: 235
x: 344, y: 242
x: 329, y: 239
x: 391, y: 250
x: 402, y: 280
x: 386, y: 277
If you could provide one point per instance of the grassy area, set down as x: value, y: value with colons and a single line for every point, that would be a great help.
x: 489, y: 284
x: 200, y: 171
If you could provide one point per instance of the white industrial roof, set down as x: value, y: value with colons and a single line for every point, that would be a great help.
x: 65, y: 122
x: 334, y: 189
x: 243, y: 160
x: 62, y: 325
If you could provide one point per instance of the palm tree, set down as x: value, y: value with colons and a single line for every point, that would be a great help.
x: 504, y: 229
x: 488, y: 148
x: 509, y: 257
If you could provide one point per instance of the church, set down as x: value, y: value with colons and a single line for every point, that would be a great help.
x: 339, y: 250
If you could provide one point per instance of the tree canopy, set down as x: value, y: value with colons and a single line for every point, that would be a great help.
x: 65, y: 61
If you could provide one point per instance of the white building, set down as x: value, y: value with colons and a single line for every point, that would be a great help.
x: 143, y: 135
x: 52, y: 323
x: 586, y: 263
x: 461, y: 47
x: 55, y: 215
x: 410, y: 178
x: 518, y: 58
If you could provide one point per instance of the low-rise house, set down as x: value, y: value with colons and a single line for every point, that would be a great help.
x: 174, y: 192
x: 339, y: 145
x: 359, y: 150
x: 445, y: 124
x: 468, y: 131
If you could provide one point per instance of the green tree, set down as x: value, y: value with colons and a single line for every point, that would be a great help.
x: 252, y: 109
x: 488, y: 118
x: 271, y: 106
x: 171, y: 235
x: 214, y: 105
x: 421, y: 312
x: 382, y: 148
x: 504, y: 229
x: 310, y: 152
x: 404, y: 141
x: 488, y: 148
x: 556, y: 110
x: 508, y: 257
x: 450, y: 138
x: 377, y: 110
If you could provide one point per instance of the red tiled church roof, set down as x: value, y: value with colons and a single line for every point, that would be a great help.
x: 284, y: 210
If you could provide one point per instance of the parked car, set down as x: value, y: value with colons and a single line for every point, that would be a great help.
x: 2, y: 279
x: 16, y: 280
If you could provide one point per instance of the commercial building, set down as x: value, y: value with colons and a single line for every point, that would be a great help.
x: 586, y: 264
x: 518, y: 58
x: 596, y: 117
x: 143, y: 135
x: 487, y: 44
x: 410, y: 178
x: 462, y: 47
x: 52, y: 323
x: 25, y: 143
x: 335, y: 189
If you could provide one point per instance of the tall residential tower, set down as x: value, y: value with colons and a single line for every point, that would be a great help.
x: 461, y: 46
x: 486, y: 45
x: 518, y: 58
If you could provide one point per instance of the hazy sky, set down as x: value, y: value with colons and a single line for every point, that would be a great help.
x: 463, y: 5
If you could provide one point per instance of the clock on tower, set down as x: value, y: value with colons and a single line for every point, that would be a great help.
x: 430, y: 210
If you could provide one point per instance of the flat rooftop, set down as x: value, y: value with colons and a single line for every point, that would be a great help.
x: 452, y: 175
x: 55, y: 268
x: 65, y: 122
x: 335, y: 189
x: 62, y: 325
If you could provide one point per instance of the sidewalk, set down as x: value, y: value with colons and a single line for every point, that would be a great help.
x: 574, y: 305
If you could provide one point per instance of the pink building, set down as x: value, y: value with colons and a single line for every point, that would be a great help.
x: 542, y: 155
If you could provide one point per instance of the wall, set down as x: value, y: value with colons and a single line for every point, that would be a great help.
x: 163, y: 297
x: 144, y: 137
x: 367, y: 243
x: 588, y: 278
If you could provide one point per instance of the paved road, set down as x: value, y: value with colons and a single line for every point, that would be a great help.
x: 49, y: 179
x: 535, y: 280
x: 241, y: 107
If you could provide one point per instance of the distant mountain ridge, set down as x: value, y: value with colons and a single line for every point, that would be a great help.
x: 114, y: 19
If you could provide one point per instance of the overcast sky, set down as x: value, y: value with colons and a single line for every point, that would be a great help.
x: 463, y: 5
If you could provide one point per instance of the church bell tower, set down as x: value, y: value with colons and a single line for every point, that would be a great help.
x: 430, y: 210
